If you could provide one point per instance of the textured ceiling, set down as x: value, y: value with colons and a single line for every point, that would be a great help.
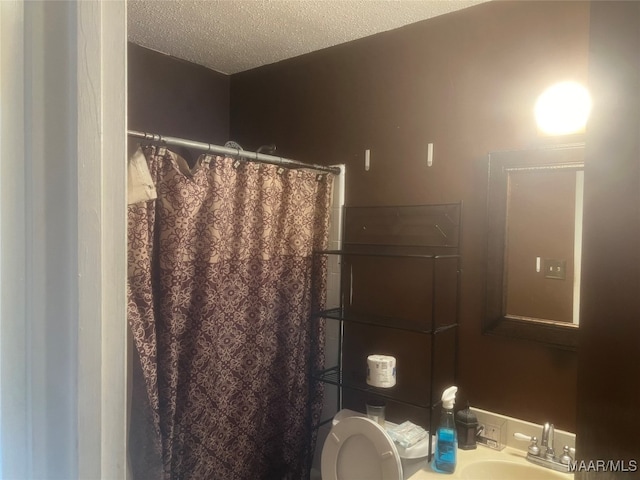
x: 230, y: 36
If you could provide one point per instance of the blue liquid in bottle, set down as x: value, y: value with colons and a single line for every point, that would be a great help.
x: 444, y: 460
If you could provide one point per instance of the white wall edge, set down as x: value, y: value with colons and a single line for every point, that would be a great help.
x: 14, y: 420
x: 114, y: 243
x: 102, y: 329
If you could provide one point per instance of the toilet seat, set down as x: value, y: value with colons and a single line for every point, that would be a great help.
x: 359, y: 448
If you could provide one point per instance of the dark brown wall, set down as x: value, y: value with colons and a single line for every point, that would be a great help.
x: 467, y: 82
x: 609, y: 369
x: 176, y: 98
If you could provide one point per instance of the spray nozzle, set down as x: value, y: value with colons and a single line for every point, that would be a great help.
x: 449, y: 397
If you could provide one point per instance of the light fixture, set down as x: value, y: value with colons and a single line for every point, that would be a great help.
x: 563, y: 109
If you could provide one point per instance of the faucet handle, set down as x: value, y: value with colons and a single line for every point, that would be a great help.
x: 566, y: 458
x: 533, y: 448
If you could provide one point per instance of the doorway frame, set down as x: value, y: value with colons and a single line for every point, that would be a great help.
x: 87, y: 385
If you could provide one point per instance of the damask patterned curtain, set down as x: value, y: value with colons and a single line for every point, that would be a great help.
x: 220, y: 291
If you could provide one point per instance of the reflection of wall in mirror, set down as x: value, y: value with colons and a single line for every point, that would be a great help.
x: 541, y: 223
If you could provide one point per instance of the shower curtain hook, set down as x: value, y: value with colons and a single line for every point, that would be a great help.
x: 268, y: 149
x: 232, y: 144
x: 238, y: 155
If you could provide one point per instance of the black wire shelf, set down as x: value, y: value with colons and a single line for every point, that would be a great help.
x: 333, y: 376
x: 397, y: 323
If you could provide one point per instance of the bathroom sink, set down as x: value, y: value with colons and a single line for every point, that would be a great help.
x: 505, y: 470
x: 488, y: 464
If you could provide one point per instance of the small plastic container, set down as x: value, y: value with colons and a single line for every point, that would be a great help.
x: 376, y: 411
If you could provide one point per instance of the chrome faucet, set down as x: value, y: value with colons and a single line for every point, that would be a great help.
x: 548, y: 433
x: 545, y: 455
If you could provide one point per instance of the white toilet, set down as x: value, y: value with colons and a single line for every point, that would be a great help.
x: 359, y: 448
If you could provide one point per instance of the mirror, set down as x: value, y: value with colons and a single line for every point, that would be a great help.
x: 534, y: 244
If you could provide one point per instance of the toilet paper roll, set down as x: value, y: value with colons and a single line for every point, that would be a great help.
x: 381, y: 371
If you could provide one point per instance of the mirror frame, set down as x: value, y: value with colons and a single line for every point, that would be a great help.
x: 496, y: 321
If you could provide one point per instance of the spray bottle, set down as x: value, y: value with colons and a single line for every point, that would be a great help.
x: 446, y: 454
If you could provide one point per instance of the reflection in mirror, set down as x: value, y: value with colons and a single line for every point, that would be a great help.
x: 544, y: 242
x: 535, y: 243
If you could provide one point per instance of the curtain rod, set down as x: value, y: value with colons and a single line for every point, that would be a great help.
x: 208, y: 147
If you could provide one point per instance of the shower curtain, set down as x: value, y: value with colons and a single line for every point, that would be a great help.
x: 220, y: 291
